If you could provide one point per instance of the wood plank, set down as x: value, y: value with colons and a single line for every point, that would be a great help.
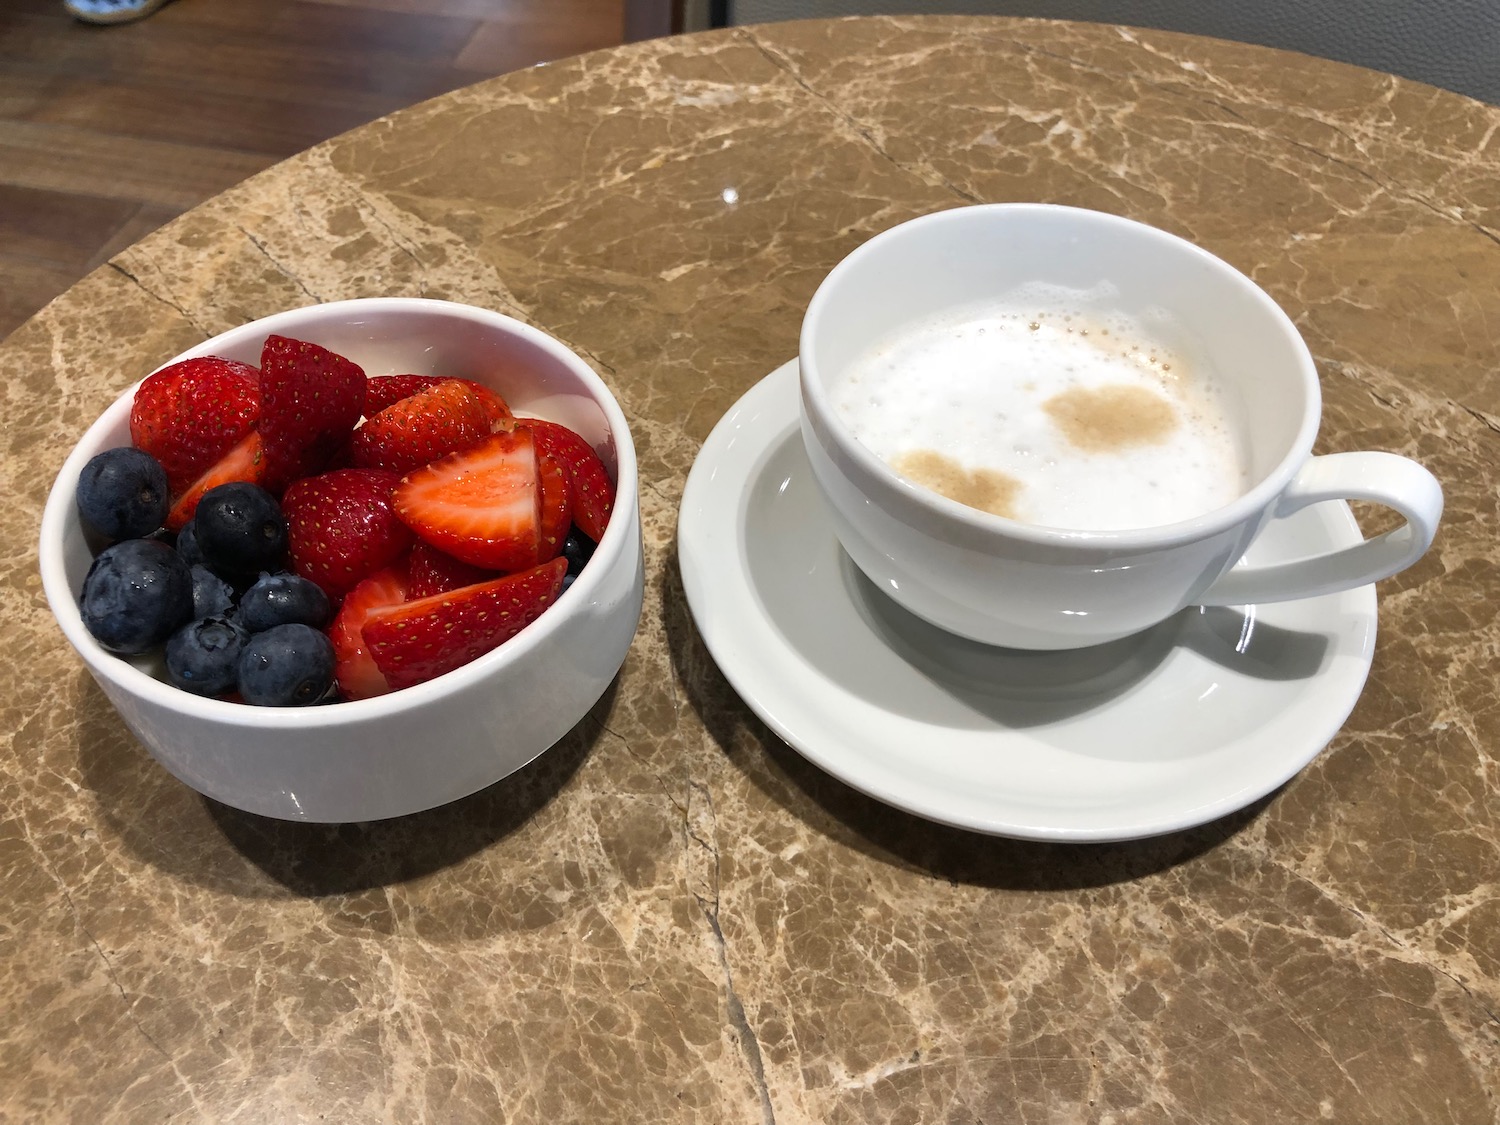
x: 55, y: 228
x: 466, y: 9
x: 81, y: 162
x: 374, y: 82
x: 521, y: 37
x: 359, y: 30
x: 652, y: 19
x: 106, y: 133
x: 208, y: 118
x: 29, y: 284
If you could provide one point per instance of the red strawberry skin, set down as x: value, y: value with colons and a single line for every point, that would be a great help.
x: 496, y: 407
x: 421, y: 427
x: 422, y: 639
x: 192, y: 413
x: 310, y: 401
x: 342, y: 528
x: 593, y: 493
x: 482, y: 505
x: 354, y: 668
x: 557, y: 507
x: 384, y: 390
x: 430, y: 571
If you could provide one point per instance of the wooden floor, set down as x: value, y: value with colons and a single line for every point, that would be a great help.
x: 108, y: 132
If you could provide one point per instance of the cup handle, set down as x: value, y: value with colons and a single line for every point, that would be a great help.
x: 1384, y: 478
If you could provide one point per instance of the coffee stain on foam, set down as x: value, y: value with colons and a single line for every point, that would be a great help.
x: 986, y: 489
x: 1111, y: 418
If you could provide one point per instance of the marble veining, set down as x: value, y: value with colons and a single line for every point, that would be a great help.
x: 671, y: 916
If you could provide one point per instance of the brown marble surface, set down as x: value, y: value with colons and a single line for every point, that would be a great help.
x: 671, y: 916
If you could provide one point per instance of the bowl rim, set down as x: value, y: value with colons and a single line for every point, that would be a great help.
x: 61, y: 506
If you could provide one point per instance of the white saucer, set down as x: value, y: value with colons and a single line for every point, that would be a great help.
x: 1159, y: 732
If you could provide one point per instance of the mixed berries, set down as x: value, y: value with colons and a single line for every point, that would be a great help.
x: 298, y: 533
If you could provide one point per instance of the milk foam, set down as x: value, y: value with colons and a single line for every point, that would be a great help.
x: 1054, y: 414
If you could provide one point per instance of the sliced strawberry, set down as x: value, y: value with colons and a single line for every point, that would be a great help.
x: 482, y: 505
x: 341, y: 527
x: 419, y: 640
x: 243, y: 462
x: 190, y: 414
x: 356, y: 673
x: 310, y: 401
x: 499, y: 413
x: 593, y: 491
x: 422, y: 427
x: 383, y: 390
x: 430, y: 571
x: 557, y: 507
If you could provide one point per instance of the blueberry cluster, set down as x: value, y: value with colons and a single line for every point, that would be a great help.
x: 230, y: 618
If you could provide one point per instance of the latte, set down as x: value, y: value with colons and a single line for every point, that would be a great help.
x: 1047, y: 413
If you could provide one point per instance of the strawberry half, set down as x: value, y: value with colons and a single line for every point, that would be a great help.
x: 421, y: 427
x: 482, y: 505
x: 310, y: 401
x: 192, y: 413
x: 341, y: 527
x: 384, y: 390
x: 557, y: 507
x: 592, y: 491
x: 430, y: 571
x: 356, y: 672
x: 420, y: 640
x: 243, y: 462
x: 494, y: 406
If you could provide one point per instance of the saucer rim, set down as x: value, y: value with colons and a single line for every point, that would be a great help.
x: 1351, y: 673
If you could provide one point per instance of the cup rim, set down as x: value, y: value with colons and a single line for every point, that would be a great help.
x: 1244, y: 507
x: 60, y: 507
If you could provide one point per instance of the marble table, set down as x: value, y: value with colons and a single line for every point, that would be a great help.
x: 672, y: 916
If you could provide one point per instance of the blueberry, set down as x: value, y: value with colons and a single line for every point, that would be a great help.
x: 568, y: 580
x: 286, y: 666
x: 212, y: 596
x: 203, y: 657
x: 135, y: 595
x: 187, y: 544
x: 281, y: 599
x: 578, y: 548
x: 239, y: 529
x: 123, y: 494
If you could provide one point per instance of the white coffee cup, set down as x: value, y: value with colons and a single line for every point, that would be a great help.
x: 1010, y: 583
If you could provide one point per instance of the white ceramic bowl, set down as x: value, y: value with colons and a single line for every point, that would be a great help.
x: 429, y: 744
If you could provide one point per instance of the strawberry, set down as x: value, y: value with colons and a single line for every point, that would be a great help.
x: 499, y: 413
x: 433, y: 572
x: 383, y: 390
x: 419, y: 640
x: 557, y: 507
x: 341, y: 527
x: 243, y: 462
x: 356, y: 673
x: 422, y: 427
x: 310, y: 400
x: 190, y: 414
x: 481, y: 505
x: 593, y: 491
